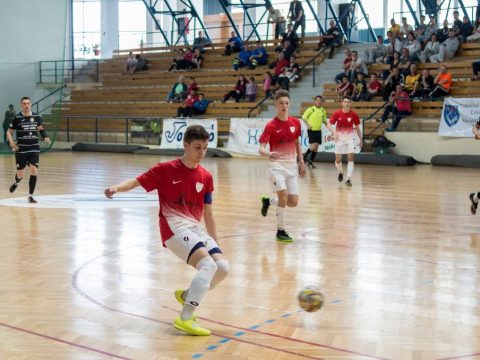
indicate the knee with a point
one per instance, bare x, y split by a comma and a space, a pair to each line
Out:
223, 268
292, 202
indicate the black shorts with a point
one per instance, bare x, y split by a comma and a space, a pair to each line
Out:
24, 159
314, 136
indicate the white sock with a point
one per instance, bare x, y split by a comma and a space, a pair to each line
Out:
475, 197
199, 286
274, 200
223, 267
350, 169
280, 218
339, 167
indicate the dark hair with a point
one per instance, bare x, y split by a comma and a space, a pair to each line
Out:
192, 78
195, 132
318, 97
25, 98
252, 78
347, 97
281, 93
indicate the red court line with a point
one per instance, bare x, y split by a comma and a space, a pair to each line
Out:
96, 302
84, 347
460, 357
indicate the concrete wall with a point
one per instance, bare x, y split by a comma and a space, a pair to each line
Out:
424, 145
32, 31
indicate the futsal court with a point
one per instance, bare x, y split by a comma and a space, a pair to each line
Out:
396, 257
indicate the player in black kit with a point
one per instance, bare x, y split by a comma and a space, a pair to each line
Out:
27, 150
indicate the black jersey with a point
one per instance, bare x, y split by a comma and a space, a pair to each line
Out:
27, 132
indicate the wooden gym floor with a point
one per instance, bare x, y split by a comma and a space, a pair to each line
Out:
396, 256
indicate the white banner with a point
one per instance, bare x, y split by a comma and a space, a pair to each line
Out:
245, 132
174, 130
458, 117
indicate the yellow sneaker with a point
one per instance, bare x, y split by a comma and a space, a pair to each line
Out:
178, 295
190, 327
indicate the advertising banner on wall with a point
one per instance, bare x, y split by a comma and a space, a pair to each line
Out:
458, 117
174, 130
245, 133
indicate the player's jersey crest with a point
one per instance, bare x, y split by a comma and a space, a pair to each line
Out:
349, 119
292, 129
451, 115
199, 186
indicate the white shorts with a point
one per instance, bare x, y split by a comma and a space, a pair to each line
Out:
347, 147
283, 178
187, 241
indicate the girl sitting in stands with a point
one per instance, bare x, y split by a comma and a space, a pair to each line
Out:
251, 90
238, 92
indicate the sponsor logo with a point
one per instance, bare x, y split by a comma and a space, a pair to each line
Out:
193, 303
278, 131
185, 238
176, 182
451, 115
199, 186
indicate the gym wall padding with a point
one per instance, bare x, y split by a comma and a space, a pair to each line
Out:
470, 161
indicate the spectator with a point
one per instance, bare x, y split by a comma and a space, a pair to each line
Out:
297, 16
131, 64
475, 69
360, 88
395, 78
346, 65
193, 86
412, 80
291, 36
186, 62
395, 28
457, 23
275, 17
443, 32
376, 54
431, 48
178, 90
399, 105
447, 49
234, 44
394, 44
243, 58
475, 33
142, 63
7, 120
466, 29
268, 87
442, 83
197, 59
432, 27
393, 64
259, 56
200, 106
420, 30
331, 39
287, 49
238, 92
251, 89
345, 88
405, 62
290, 74
187, 109
413, 45
179, 56
279, 66
405, 29
201, 42
374, 88
356, 66
424, 85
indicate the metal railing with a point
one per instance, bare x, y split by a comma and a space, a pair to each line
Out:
48, 98
63, 71
321, 52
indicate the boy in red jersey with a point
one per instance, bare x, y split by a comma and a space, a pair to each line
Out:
282, 134
185, 194
346, 121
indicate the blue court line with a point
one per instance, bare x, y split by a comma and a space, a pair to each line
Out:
254, 327
239, 333
197, 356
212, 347
336, 301
223, 341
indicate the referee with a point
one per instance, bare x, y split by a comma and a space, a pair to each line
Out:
27, 150
314, 117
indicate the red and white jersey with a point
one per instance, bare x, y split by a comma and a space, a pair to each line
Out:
281, 136
182, 193
345, 122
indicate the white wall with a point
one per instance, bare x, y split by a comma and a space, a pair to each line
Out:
32, 31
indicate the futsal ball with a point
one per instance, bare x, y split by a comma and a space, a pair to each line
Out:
310, 299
